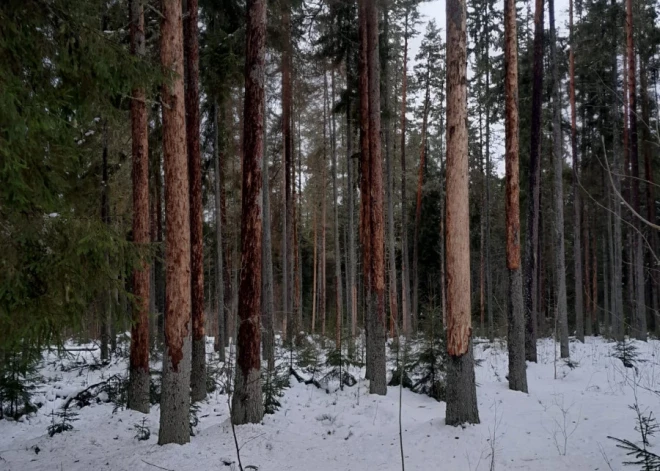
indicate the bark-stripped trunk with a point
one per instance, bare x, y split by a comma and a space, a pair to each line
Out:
461, 387
175, 397
138, 388
191, 46
392, 287
418, 205
405, 276
219, 343
639, 325
561, 309
335, 196
267, 301
531, 247
577, 207
247, 405
516, 316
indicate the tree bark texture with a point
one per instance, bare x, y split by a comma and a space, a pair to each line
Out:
247, 405
219, 268
175, 398
461, 387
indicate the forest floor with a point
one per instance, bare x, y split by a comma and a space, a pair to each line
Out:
562, 424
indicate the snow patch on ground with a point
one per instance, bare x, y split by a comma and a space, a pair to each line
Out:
562, 424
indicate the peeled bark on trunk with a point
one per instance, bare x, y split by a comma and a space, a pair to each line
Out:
247, 404
138, 388
175, 398
461, 387
639, 325
561, 310
219, 268
267, 301
516, 316
577, 207
405, 276
532, 244
335, 196
191, 45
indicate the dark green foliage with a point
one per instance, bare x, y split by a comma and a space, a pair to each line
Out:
647, 427
142, 431
17, 383
627, 352
61, 421
429, 368
273, 384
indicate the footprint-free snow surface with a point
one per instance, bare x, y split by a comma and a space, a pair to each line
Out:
562, 424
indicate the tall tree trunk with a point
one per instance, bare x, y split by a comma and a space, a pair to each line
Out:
461, 387
531, 246
267, 301
352, 292
516, 316
191, 46
587, 274
577, 206
335, 196
138, 388
561, 309
315, 240
219, 268
106, 300
247, 406
639, 325
418, 206
389, 170
322, 275
405, 276
489, 281
175, 398
617, 261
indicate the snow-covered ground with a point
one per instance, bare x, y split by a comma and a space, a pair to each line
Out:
562, 424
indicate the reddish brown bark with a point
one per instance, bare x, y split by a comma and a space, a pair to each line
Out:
405, 314
177, 204
191, 43
365, 222
249, 296
141, 220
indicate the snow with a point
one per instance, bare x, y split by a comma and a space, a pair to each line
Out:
562, 424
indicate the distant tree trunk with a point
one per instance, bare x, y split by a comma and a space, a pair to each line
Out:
639, 325
267, 301
587, 273
531, 246
191, 46
175, 398
577, 207
352, 292
594, 285
247, 405
489, 282
516, 316
106, 300
315, 239
335, 197
418, 206
617, 261
219, 268
461, 387
322, 297
394, 308
138, 389
405, 276
561, 309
